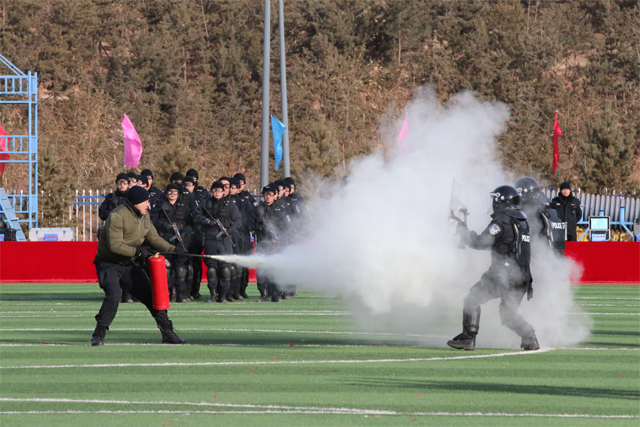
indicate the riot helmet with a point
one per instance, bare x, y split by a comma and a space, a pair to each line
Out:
505, 197
528, 188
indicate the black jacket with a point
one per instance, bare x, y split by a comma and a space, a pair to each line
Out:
507, 236
271, 224
223, 210
569, 211
110, 202
164, 214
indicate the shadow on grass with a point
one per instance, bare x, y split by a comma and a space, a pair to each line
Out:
53, 296
499, 388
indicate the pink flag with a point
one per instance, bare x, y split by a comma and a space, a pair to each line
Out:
4, 155
404, 133
132, 144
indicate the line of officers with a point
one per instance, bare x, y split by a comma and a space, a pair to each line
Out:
222, 220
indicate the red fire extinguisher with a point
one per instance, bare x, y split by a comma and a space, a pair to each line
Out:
159, 288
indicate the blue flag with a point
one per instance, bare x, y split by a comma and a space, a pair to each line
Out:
277, 128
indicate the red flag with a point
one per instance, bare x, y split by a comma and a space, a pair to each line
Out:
556, 133
4, 148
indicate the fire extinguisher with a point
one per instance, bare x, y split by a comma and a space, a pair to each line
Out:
159, 288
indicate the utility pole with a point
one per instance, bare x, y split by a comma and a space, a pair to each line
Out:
264, 153
283, 91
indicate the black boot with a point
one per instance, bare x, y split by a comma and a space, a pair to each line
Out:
222, 297
276, 295
168, 336
530, 343
264, 297
464, 341
98, 335
212, 291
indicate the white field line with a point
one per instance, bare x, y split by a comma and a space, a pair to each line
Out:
275, 409
286, 331
610, 298
275, 362
311, 346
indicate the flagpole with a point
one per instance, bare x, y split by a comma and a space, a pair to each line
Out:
283, 92
264, 153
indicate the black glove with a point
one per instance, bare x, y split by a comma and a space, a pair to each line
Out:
461, 229
180, 251
167, 227
207, 221
144, 252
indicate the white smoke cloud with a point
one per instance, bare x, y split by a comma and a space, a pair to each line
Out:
384, 244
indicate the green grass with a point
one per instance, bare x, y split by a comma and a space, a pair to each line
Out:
241, 354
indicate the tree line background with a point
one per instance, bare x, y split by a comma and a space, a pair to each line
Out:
188, 74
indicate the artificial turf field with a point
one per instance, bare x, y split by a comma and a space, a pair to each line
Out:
299, 363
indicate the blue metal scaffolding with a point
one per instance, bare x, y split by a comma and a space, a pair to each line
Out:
22, 89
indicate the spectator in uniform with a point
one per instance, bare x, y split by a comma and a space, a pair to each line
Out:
569, 211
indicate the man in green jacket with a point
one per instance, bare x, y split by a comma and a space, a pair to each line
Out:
126, 229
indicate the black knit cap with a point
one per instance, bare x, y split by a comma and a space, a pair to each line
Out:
173, 186
176, 176
122, 176
143, 179
240, 177
565, 186
193, 173
280, 183
289, 180
234, 181
223, 178
217, 184
147, 172
188, 178
132, 175
137, 195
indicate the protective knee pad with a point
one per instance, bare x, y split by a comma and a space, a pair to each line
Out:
189, 273
212, 277
225, 273
181, 273
235, 272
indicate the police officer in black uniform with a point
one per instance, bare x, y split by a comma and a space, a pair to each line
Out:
248, 211
544, 222
115, 199
154, 192
217, 241
508, 277
176, 178
110, 202
172, 218
569, 211
201, 195
269, 230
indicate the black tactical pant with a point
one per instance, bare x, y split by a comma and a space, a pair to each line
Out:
266, 285
218, 272
113, 279
508, 284
196, 248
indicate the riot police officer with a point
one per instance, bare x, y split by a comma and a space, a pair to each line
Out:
543, 220
172, 218
248, 211
218, 219
155, 193
508, 277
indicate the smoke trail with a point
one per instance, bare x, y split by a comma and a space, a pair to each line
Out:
384, 244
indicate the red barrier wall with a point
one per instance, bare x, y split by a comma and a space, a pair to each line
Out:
73, 261
53, 262
606, 261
